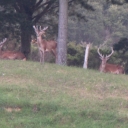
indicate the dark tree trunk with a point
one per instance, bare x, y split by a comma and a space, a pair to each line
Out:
25, 40
62, 33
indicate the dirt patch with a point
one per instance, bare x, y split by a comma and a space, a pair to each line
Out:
12, 109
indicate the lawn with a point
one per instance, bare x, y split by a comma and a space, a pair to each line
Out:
33, 95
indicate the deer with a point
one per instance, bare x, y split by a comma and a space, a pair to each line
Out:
44, 45
11, 55
106, 67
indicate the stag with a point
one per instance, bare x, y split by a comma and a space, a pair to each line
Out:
11, 55
106, 67
44, 45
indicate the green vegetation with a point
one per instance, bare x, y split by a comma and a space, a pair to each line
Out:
51, 96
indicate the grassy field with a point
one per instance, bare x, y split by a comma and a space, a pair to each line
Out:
51, 96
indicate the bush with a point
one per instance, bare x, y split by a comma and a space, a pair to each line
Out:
76, 53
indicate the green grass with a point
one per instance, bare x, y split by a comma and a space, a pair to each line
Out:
51, 96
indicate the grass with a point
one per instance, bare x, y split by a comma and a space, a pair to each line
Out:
51, 96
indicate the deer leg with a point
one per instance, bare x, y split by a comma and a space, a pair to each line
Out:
54, 53
41, 59
42, 54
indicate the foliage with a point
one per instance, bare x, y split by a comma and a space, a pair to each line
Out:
16, 12
34, 53
93, 59
122, 45
118, 2
75, 54
122, 49
108, 23
92, 31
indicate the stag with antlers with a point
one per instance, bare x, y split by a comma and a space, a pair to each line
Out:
106, 67
11, 55
44, 45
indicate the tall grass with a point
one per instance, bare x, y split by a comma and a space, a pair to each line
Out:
51, 96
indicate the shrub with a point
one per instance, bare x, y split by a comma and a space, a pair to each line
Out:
75, 54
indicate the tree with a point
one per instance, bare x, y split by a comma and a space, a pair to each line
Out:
62, 32
122, 45
108, 23
25, 13
86, 55
118, 2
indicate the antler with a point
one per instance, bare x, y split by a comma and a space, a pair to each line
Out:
107, 56
45, 28
39, 29
36, 29
4, 40
98, 50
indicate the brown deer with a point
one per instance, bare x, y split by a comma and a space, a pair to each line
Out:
106, 67
44, 45
11, 55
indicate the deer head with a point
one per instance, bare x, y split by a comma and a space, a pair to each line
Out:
104, 58
39, 31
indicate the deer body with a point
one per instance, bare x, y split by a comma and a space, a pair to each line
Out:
111, 68
44, 45
11, 55
48, 46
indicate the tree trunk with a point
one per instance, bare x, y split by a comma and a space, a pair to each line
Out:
86, 56
62, 33
25, 40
